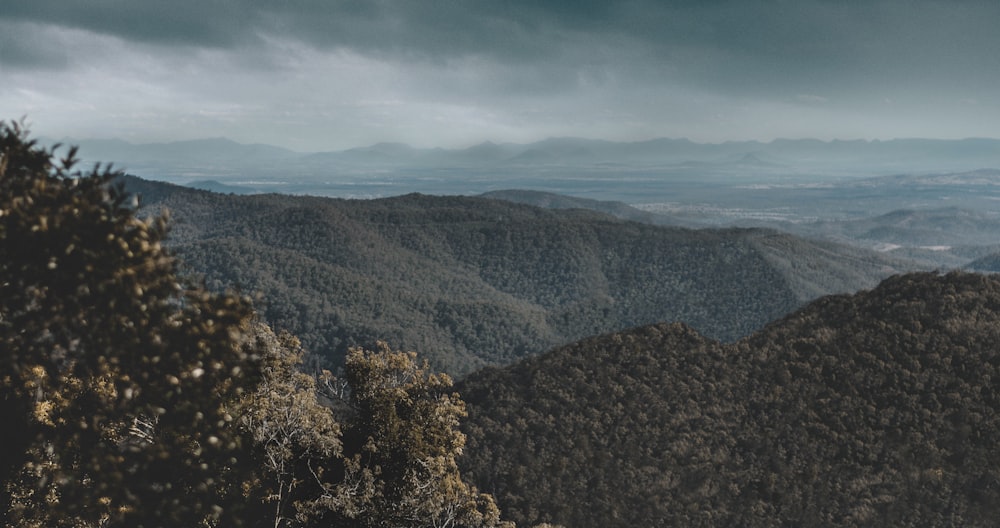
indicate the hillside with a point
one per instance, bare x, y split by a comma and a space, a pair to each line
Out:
989, 263
877, 409
470, 282
948, 237
548, 200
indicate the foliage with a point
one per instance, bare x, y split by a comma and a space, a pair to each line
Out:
292, 434
400, 448
875, 409
632, 425
113, 373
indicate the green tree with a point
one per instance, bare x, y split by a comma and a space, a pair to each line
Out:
114, 376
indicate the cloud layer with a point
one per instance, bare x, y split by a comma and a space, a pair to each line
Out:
320, 74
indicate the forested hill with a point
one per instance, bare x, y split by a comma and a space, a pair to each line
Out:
469, 282
877, 409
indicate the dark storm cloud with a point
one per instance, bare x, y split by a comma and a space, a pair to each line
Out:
23, 46
805, 42
182, 22
785, 30
744, 67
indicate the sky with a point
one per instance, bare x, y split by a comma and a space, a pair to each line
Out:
319, 75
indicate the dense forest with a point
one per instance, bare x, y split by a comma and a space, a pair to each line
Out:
875, 409
471, 281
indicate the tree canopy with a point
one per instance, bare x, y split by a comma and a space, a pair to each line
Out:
113, 371
404, 442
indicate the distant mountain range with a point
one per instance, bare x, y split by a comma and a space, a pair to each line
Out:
881, 156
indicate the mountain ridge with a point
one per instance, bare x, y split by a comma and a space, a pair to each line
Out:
473, 281
877, 408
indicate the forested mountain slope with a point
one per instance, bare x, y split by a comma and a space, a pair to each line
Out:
877, 409
988, 263
469, 282
550, 200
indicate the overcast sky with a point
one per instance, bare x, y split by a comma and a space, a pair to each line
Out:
328, 74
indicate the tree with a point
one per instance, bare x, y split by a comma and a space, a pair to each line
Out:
400, 446
292, 434
114, 376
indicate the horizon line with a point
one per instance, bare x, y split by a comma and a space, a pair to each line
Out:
69, 140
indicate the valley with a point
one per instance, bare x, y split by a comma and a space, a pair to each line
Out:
473, 281
388, 241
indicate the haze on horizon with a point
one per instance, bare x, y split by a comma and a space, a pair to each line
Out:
319, 76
